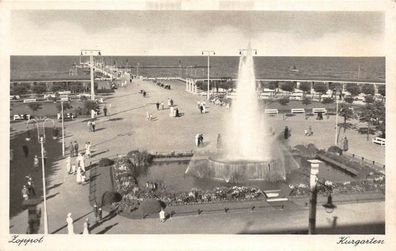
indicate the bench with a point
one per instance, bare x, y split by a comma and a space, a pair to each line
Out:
319, 110
298, 110
271, 111
29, 100
379, 141
21, 117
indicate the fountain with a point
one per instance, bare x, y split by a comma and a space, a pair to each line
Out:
251, 151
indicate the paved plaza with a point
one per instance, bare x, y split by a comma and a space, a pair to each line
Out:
128, 129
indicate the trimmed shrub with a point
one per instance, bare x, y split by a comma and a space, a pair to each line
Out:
334, 149
327, 100
150, 206
284, 101
110, 197
105, 162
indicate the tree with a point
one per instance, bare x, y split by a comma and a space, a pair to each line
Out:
90, 105
284, 101
39, 88
320, 87
66, 106
287, 86
56, 87
305, 87
368, 89
306, 101
346, 112
352, 88
273, 85
381, 89
349, 99
20, 89
374, 114
327, 101
369, 99
35, 106
76, 87
335, 86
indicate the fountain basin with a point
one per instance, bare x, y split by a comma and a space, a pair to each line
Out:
237, 171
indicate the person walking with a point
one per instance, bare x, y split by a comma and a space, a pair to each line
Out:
71, 149
25, 150
105, 110
89, 125
345, 144
200, 139
78, 176
201, 108
81, 162
36, 162
197, 140
68, 165
69, 221
25, 193
86, 226
30, 187
95, 211
100, 214
162, 215
157, 105
171, 102
88, 149
75, 148
93, 126
286, 133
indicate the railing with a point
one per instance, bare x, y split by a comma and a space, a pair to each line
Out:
364, 160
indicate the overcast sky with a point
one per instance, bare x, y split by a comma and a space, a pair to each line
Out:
65, 32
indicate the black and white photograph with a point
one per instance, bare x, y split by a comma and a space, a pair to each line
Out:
173, 120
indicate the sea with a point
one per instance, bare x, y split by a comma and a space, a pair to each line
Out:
369, 69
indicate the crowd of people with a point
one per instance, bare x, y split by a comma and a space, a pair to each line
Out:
77, 166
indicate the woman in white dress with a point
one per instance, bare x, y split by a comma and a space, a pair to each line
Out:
88, 149
68, 164
86, 226
69, 221
79, 177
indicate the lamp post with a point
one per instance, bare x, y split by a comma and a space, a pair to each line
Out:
336, 122
63, 131
313, 179
41, 140
91, 54
208, 53
44, 188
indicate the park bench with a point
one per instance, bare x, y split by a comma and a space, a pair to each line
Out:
21, 117
319, 110
271, 111
272, 193
379, 141
298, 110
29, 100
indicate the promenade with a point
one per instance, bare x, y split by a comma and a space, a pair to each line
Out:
128, 129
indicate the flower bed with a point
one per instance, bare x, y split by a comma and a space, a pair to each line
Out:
126, 170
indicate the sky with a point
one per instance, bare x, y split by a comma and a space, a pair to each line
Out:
272, 33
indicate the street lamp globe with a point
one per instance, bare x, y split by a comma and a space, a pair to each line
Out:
329, 206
